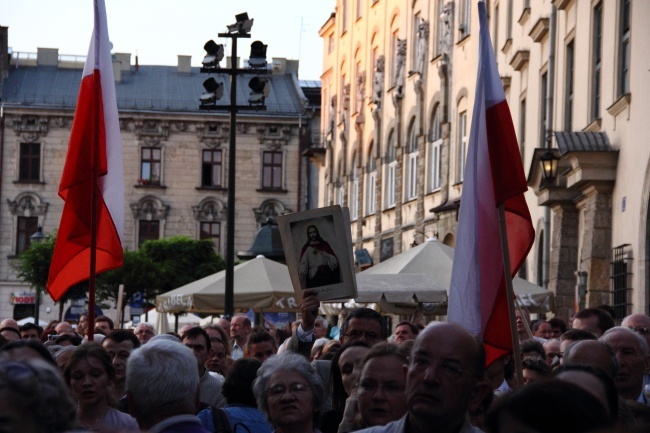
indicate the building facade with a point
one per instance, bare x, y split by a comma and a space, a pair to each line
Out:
175, 156
398, 88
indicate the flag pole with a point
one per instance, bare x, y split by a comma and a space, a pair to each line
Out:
516, 351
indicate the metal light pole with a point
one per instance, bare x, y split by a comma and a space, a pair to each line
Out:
235, 31
37, 237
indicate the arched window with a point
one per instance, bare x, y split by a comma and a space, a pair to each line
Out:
371, 178
391, 168
354, 190
412, 154
434, 151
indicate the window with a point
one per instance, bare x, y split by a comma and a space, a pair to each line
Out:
414, 44
148, 231
391, 168
344, 16
150, 166
596, 61
358, 103
211, 168
30, 162
462, 145
439, 28
330, 43
542, 109
412, 165
509, 18
338, 198
354, 191
27, 226
522, 129
435, 146
272, 170
212, 231
624, 49
464, 17
371, 183
568, 90
621, 279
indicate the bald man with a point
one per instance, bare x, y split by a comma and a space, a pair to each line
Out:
639, 323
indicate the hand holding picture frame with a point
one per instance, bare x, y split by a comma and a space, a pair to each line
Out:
318, 249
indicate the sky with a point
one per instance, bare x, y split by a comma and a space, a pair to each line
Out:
159, 30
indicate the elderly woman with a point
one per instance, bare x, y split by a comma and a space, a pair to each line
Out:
290, 392
89, 373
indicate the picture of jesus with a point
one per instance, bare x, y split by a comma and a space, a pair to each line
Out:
318, 265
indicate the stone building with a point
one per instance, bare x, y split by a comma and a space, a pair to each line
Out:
175, 156
398, 88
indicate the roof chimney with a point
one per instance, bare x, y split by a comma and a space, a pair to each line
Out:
4, 54
117, 71
184, 64
47, 56
125, 60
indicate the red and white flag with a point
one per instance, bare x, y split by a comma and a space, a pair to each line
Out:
494, 175
95, 144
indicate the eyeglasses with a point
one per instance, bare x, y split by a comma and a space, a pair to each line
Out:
144, 332
358, 335
294, 388
640, 329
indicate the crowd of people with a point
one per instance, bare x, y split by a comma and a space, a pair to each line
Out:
229, 376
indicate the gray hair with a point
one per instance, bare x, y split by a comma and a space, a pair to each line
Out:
322, 320
36, 388
288, 361
643, 343
149, 325
162, 372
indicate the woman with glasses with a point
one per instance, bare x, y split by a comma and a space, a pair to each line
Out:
89, 374
290, 392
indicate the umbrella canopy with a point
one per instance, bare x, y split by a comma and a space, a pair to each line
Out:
30, 319
399, 293
259, 284
435, 259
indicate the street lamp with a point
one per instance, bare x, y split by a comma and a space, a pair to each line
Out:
260, 88
37, 238
549, 165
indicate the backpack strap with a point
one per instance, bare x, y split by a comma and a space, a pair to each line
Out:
220, 420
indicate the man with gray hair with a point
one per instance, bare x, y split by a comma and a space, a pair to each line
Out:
145, 331
162, 384
632, 352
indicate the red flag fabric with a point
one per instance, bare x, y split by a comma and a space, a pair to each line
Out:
494, 175
95, 144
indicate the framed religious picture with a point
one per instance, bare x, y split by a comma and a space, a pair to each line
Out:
318, 249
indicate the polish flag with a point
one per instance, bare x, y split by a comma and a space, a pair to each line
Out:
494, 175
95, 144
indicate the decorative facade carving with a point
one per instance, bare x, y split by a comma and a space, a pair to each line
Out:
273, 136
31, 128
378, 82
270, 209
213, 134
210, 209
400, 64
150, 208
27, 204
151, 131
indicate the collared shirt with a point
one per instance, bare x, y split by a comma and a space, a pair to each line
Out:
401, 426
237, 351
189, 419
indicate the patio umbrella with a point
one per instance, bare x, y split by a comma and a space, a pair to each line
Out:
259, 284
436, 259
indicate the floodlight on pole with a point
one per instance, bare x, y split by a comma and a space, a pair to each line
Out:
213, 92
243, 24
260, 89
257, 58
214, 54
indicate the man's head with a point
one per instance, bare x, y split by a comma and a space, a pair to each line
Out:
405, 331
593, 320
592, 353
64, 328
532, 349
218, 335
639, 323
542, 329
10, 333
162, 381
197, 339
30, 330
145, 332
240, 328
552, 350
632, 352
82, 325
558, 327
363, 324
9, 323
521, 321
224, 322
445, 377
320, 327
261, 346
119, 345
573, 335
104, 324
